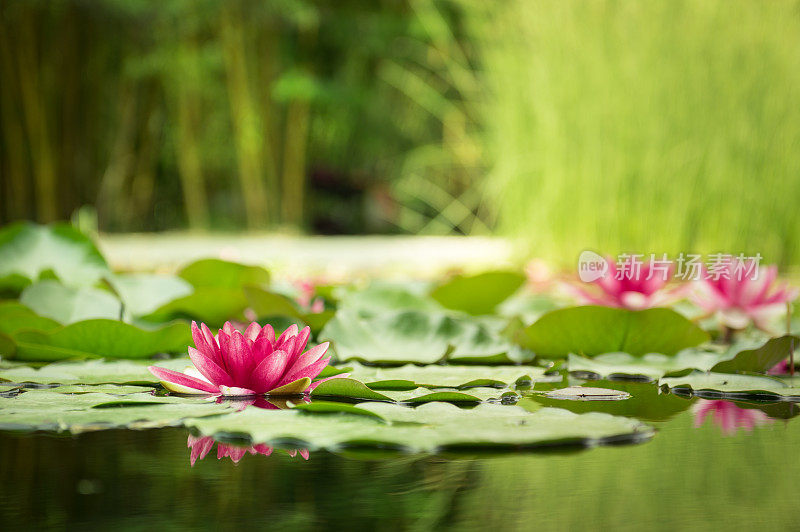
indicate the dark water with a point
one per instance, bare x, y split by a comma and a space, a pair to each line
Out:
686, 478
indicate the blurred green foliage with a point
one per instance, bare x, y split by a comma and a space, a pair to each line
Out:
666, 126
222, 115
653, 127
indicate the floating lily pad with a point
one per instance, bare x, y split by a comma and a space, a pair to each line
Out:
651, 366
29, 252
15, 317
647, 402
218, 273
91, 372
69, 304
380, 297
428, 428
210, 305
82, 412
732, 385
111, 389
143, 294
100, 339
581, 393
451, 376
410, 336
478, 294
267, 304
353, 390
594, 330
761, 358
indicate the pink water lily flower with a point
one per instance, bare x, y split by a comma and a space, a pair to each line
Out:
201, 446
727, 416
232, 363
739, 299
635, 290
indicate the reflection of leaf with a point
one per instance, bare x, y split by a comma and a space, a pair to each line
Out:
652, 365
429, 427
478, 294
67, 304
761, 358
594, 330
218, 273
411, 336
27, 251
81, 412
100, 338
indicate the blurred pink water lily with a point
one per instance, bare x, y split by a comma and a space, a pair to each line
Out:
232, 363
306, 298
201, 446
635, 290
727, 416
737, 299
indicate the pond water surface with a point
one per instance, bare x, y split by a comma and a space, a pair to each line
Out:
715, 476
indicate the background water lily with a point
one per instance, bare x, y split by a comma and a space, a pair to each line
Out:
739, 299
727, 416
251, 363
639, 289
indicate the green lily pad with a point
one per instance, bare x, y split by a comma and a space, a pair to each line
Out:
380, 297
145, 293
82, 412
647, 402
217, 273
594, 330
7, 346
411, 336
478, 294
15, 317
29, 251
210, 305
353, 390
428, 428
348, 388
582, 393
267, 304
451, 376
69, 304
734, 385
91, 372
761, 358
111, 389
651, 366
100, 339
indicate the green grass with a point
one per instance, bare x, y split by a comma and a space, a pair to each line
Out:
659, 126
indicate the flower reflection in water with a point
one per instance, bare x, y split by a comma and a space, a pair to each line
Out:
201, 445
727, 416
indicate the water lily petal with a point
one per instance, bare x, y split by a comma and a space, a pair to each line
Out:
309, 371
200, 447
269, 371
168, 376
252, 331
310, 356
205, 342
290, 331
267, 332
208, 368
238, 356
234, 391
